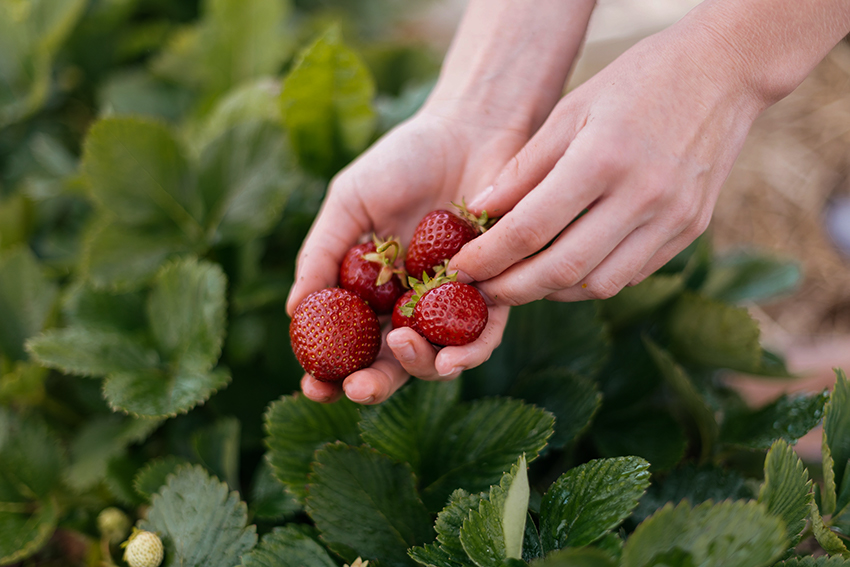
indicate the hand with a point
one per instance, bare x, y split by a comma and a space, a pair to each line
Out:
434, 159
644, 147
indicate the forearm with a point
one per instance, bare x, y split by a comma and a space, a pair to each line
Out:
510, 58
768, 46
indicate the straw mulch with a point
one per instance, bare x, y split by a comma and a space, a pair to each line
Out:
796, 158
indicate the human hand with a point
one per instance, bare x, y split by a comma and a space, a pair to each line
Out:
425, 164
644, 146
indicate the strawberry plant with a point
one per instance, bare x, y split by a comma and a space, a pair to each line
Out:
160, 165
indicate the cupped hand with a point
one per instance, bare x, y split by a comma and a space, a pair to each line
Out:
425, 164
642, 149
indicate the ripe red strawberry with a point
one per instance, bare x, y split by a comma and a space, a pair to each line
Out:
399, 318
368, 270
438, 237
446, 312
334, 333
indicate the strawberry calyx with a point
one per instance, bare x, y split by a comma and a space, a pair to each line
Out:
386, 253
481, 223
421, 287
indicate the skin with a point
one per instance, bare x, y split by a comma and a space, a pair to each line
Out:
645, 146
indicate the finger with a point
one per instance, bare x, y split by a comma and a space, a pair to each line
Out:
451, 361
619, 268
528, 167
669, 250
577, 251
377, 383
414, 353
538, 218
318, 391
335, 230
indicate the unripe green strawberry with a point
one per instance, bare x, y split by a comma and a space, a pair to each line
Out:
143, 549
113, 524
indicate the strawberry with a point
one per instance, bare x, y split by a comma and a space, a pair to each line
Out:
368, 270
334, 333
438, 237
399, 318
446, 312
113, 524
143, 549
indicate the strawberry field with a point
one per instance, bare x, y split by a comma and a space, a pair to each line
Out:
160, 165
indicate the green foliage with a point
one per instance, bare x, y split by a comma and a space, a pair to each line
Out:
199, 521
585, 557
364, 501
26, 300
326, 102
787, 418
815, 562
494, 532
787, 490
288, 547
651, 434
590, 500
836, 443
750, 276
828, 539
727, 534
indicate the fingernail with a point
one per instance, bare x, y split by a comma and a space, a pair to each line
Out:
403, 350
463, 277
455, 370
360, 394
481, 198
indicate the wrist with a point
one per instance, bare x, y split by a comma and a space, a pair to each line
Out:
508, 63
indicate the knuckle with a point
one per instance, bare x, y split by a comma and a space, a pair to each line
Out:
603, 288
565, 274
526, 237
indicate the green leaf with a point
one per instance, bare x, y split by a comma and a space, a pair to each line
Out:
788, 418
749, 276
815, 562
572, 399
257, 100
692, 402
326, 103
186, 311
137, 171
448, 550
24, 533
269, 498
408, 427
200, 523
787, 490
576, 558
91, 352
156, 393
31, 32
836, 426
695, 484
728, 534
296, 427
495, 531
136, 92
633, 303
590, 500
245, 177
105, 311
487, 438
31, 457
217, 448
151, 477
653, 435
100, 440
234, 41
714, 334
827, 538
121, 257
32, 464
26, 301
363, 500
540, 335
288, 547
